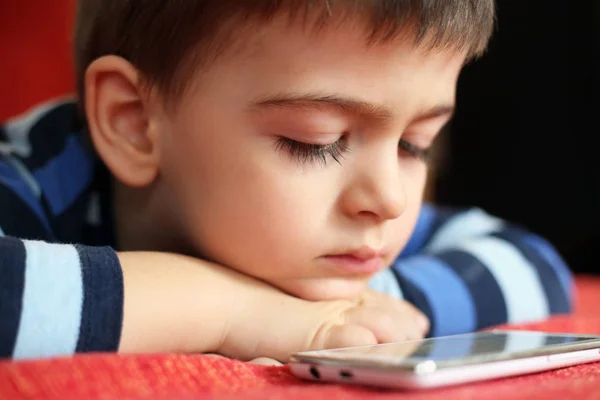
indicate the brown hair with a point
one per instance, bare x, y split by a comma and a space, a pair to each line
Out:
166, 40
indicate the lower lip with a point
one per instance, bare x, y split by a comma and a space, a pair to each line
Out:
355, 265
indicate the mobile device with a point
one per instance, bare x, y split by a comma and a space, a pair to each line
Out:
449, 360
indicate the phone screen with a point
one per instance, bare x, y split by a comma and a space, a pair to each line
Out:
463, 346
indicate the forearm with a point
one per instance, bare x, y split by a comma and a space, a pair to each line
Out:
472, 271
486, 281
66, 299
62, 299
176, 303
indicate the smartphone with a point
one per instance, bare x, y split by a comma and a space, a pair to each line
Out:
450, 360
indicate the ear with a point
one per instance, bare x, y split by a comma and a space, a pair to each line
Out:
120, 120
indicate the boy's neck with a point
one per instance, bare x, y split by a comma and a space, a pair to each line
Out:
140, 225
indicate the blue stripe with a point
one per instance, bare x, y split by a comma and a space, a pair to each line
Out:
27, 225
14, 182
422, 231
449, 298
102, 313
12, 281
554, 260
64, 178
488, 299
486, 294
52, 301
524, 297
556, 294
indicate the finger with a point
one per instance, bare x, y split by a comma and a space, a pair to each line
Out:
404, 307
266, 361
388, 325
372, 298
419, 317
416, 325
349, 335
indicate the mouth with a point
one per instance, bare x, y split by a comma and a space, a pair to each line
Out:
362, 261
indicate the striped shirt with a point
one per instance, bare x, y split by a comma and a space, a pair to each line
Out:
61, 285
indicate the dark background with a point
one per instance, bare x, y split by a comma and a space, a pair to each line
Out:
523, 144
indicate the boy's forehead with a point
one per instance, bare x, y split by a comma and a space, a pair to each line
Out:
249, 35
282, 34
292, 65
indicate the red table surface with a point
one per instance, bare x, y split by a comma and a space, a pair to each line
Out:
181, 377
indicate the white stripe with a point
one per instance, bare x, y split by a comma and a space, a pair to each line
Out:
386, 282
523, 341
18, 128
24, 173
1, 232
52, 301
465, 225
522, 290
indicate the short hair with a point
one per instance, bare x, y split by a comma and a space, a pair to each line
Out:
167, 40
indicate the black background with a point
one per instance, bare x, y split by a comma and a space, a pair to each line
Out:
524, 142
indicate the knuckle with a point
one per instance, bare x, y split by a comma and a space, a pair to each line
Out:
408, 307
353, 335
384, 320
386, 325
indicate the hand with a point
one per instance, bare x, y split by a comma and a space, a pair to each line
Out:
414, 324
376, 318
278, 325
175, 303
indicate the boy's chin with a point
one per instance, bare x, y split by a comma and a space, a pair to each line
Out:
325, 288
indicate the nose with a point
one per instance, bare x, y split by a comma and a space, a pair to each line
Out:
378, 189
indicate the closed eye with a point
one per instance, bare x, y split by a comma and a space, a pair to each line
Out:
308, 153
420, 153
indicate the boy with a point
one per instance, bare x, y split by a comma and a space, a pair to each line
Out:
258, 165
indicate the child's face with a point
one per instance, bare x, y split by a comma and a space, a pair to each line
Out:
249, 197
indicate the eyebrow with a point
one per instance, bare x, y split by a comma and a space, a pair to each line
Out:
364, 109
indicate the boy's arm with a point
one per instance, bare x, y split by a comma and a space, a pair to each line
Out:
56, 300
467, 270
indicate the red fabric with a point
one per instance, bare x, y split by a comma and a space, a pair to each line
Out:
35, 43
179, 377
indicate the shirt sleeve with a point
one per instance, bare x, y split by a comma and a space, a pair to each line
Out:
58, 299
467, 270
55, 299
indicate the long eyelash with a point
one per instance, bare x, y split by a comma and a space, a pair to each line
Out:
309, 153
415, 151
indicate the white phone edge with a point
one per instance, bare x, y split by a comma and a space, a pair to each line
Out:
398, 379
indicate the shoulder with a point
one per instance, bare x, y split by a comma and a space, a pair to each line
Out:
42, 133
45, 163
